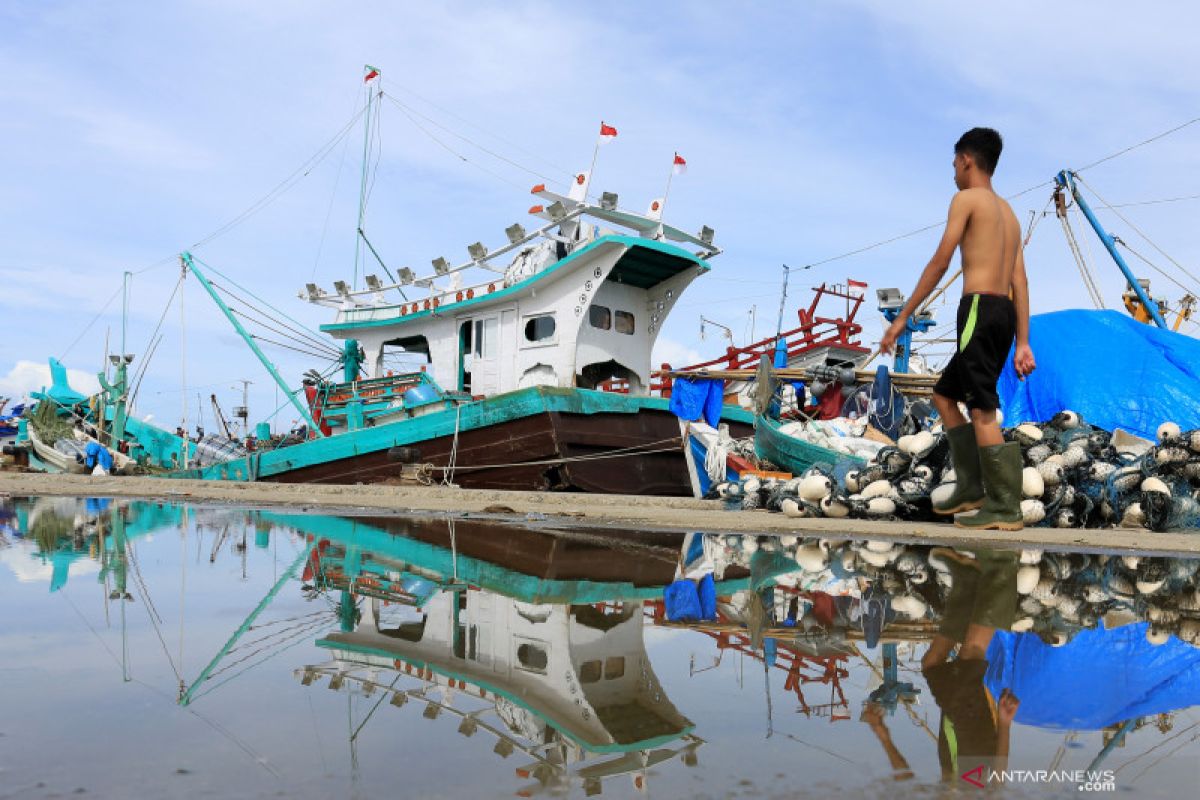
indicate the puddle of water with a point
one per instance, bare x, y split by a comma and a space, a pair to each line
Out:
167, 650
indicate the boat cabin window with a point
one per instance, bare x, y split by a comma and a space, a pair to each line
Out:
532, 657
540, 328
589, 671
600, 317
624, 323
614, 667
485, 337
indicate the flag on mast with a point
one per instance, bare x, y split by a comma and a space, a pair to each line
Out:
372, 73
607, 133
679, 166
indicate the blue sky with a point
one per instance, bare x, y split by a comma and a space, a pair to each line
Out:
134, 130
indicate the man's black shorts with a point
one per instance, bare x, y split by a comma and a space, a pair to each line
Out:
987, 324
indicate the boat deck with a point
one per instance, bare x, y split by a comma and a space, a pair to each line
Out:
637, 513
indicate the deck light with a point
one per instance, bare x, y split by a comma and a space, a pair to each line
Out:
431, 711
342, 289
129, 358
504, 748
477, 251
557, 211
608, 201
399, 698
406, 275
707, 234
515, 232
441, 266
468, 726
314, 292
373, 283
337, 680
115, 360
890, 299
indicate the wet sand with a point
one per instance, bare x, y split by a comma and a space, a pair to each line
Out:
616, 511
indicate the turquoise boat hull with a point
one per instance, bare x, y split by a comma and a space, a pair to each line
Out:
540, 438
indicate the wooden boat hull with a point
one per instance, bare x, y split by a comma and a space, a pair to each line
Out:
533, 439
789, 453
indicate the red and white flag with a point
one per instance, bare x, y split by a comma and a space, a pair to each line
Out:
856, 288
607, 133
372, 74
679, 166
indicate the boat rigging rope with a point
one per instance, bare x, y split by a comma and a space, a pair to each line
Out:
448, 471
1138, 230
1089, 282
1155, 267
88, 327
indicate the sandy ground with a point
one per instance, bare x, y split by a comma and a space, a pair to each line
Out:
616, 511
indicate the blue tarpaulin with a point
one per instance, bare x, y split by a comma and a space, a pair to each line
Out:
1099, 678
1112, 370
691, 399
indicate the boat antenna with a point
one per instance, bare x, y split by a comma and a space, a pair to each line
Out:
371, 78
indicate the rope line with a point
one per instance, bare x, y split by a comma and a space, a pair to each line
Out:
88, 327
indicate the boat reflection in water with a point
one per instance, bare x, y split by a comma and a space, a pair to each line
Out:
578, 658
550, 664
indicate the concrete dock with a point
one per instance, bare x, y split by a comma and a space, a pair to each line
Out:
615, 511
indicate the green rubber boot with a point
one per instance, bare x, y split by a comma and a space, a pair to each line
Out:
968, 486
1001, 510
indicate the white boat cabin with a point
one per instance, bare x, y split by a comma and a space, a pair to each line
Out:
581, 301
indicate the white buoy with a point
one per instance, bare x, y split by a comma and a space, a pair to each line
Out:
1133, 517
1033, 511
1028, 433
1153, 484
941, 494
905, 443
810, 558
834, 507
1051, 472
881, 507
851, 481
874, 558
1027, 579
815, 487
879, 546
1022, 625
879, 488
1032, 484
790, 507
1031, 556
1168, 432
1157, 636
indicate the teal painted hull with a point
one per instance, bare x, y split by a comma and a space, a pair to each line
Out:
531, 439
789, 453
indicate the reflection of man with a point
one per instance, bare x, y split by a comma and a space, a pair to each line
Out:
973, 734
974, 729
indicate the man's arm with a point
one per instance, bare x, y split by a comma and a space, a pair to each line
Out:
1023, 361
956, 224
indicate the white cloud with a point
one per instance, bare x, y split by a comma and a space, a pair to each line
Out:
30, 376
677, 354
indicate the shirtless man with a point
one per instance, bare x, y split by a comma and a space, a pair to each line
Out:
994, 308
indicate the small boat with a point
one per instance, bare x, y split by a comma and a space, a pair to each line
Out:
791, 453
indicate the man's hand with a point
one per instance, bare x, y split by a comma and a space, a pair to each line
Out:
1023, 361
888, 343
1006, 709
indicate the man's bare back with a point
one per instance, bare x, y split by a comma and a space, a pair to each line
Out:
991, 241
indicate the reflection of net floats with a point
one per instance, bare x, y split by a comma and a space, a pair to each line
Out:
895, 633
546, 766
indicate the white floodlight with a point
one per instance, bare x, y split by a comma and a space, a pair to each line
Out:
707, 234
608, 201
557, 211
315, 292
406, 275
890, 299
477, 251
515, 232
373, 283
342, 289
441, 266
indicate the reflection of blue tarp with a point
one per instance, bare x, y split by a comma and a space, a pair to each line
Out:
1101, 677
692, 398
1114, 371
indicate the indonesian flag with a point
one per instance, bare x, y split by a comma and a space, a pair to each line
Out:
679, 166
857, 288
607, 133
372, 74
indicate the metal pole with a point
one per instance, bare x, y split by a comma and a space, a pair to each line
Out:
186, 697
266, 362
1066, 179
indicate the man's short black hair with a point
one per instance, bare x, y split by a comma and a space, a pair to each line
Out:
984, 145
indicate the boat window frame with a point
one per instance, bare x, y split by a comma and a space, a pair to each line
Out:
618, 315
609, 321
528, 319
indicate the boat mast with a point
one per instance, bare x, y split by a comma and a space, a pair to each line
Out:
305, 414
1066, 180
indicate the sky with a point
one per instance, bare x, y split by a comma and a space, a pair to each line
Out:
136, 130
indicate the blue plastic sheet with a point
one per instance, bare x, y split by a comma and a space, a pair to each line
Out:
1099, 678
1112, 370
692, 398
